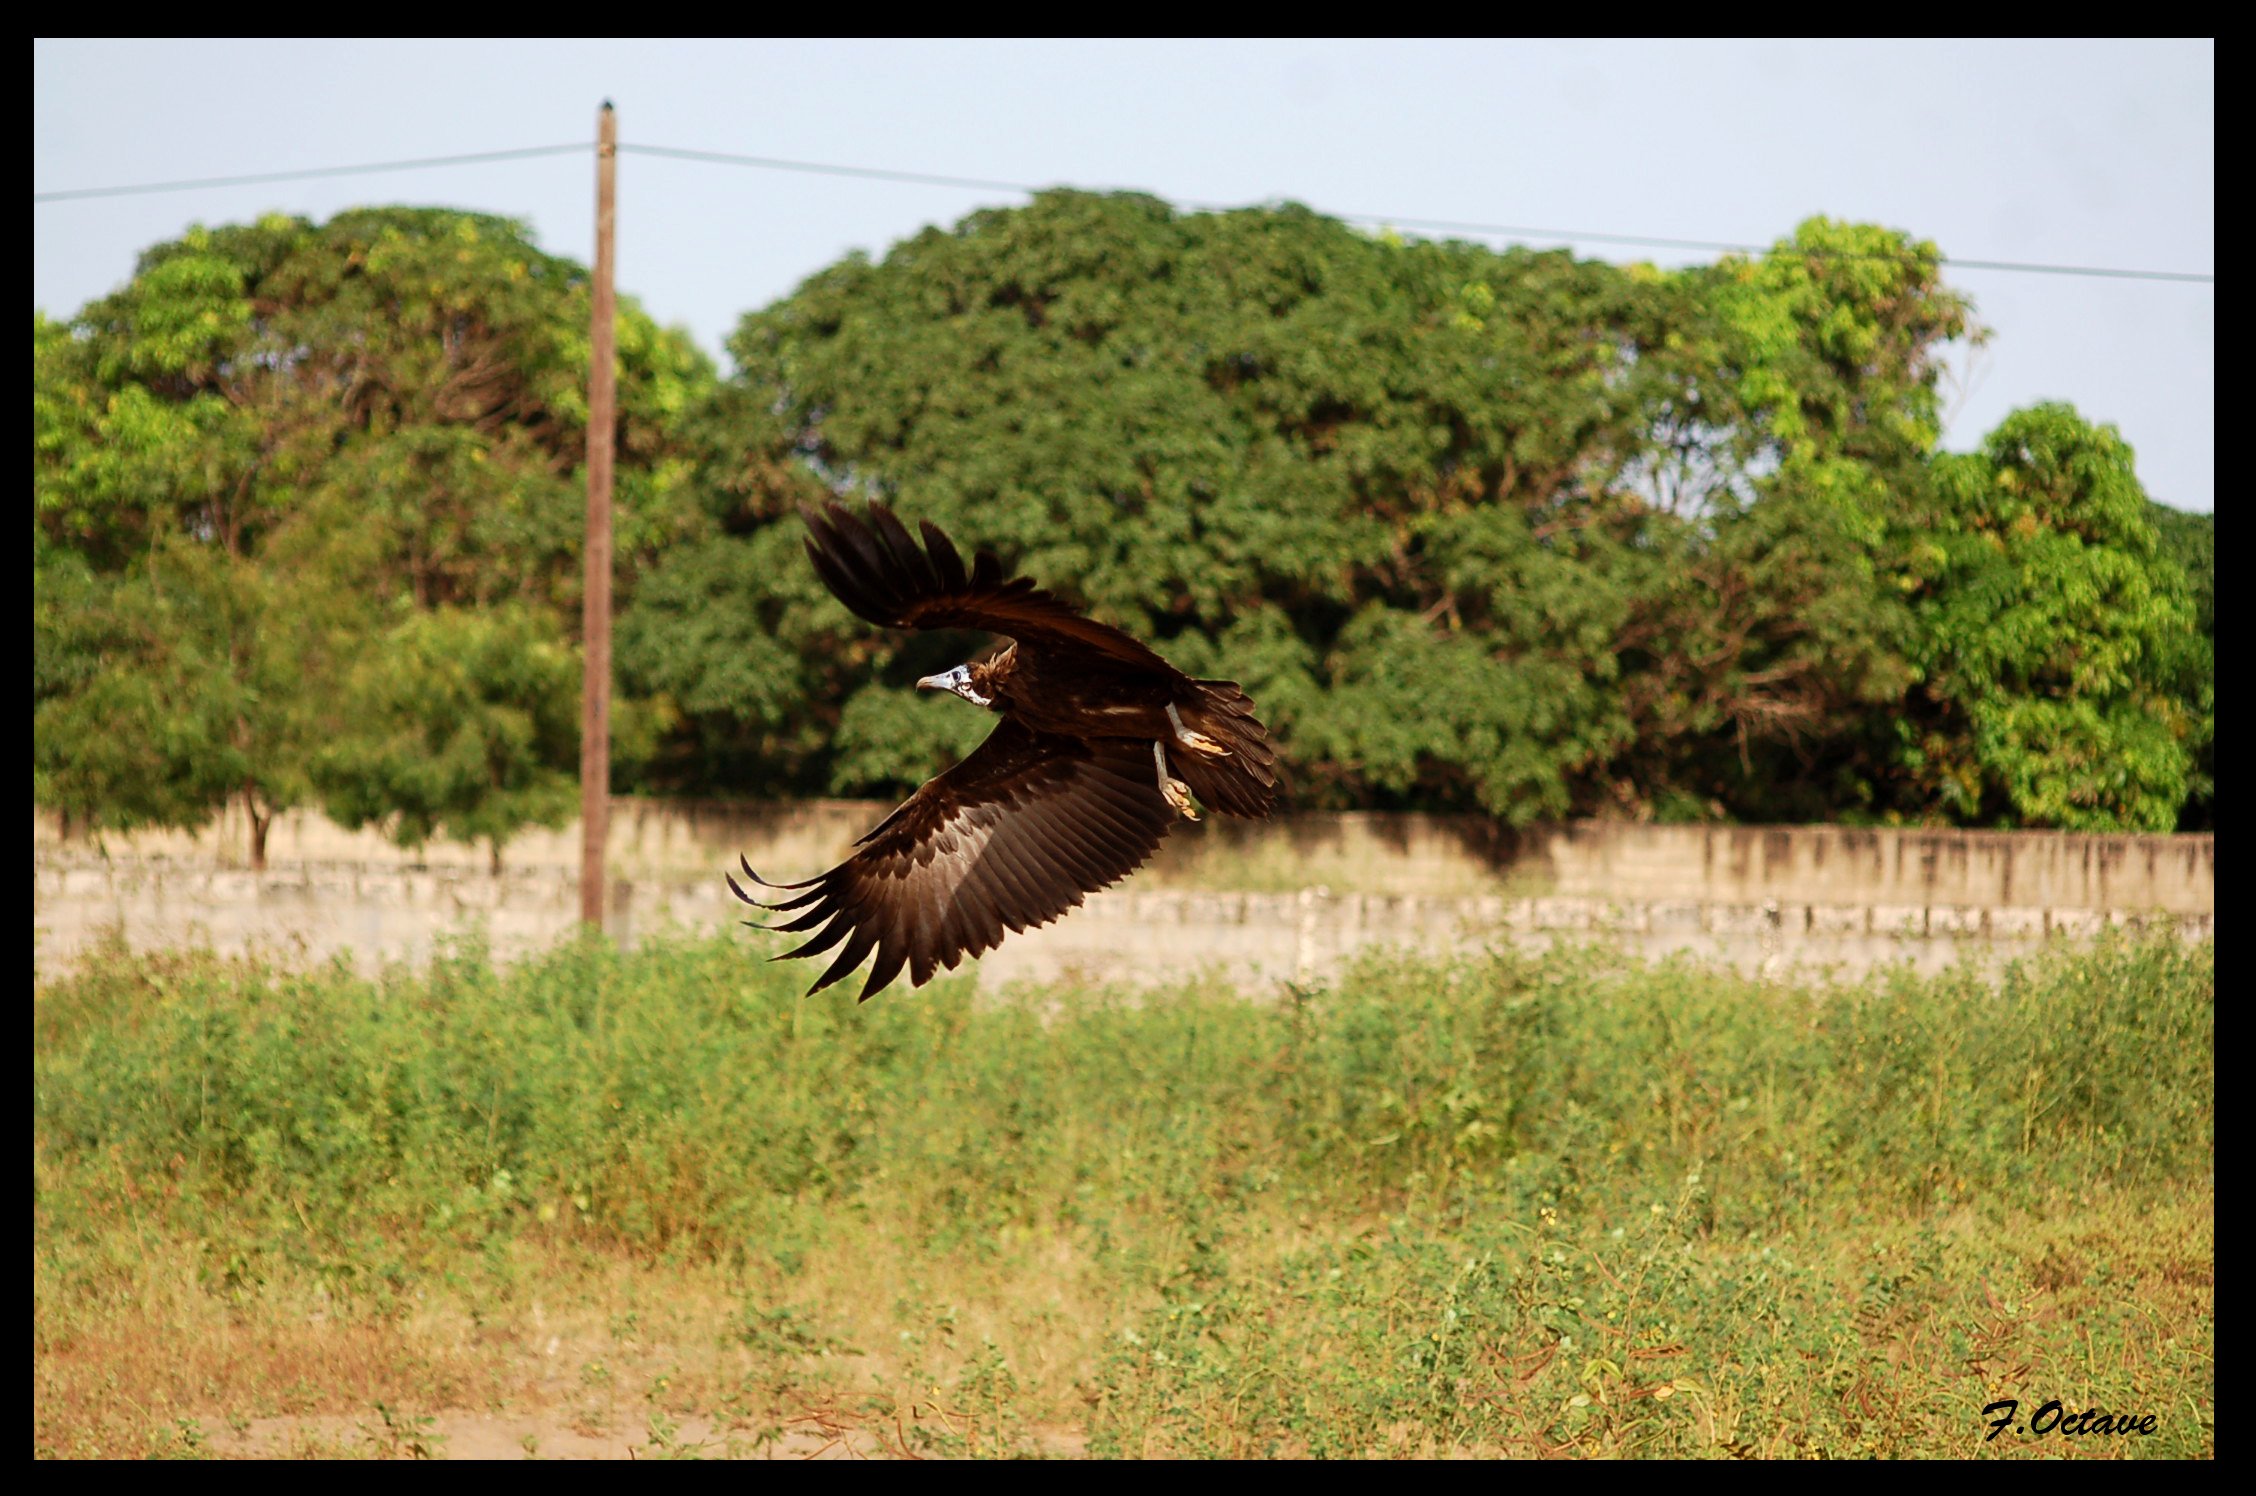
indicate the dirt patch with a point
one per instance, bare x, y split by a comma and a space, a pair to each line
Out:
464, 1435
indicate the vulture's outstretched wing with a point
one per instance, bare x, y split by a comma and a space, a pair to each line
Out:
1008, 839
879, 572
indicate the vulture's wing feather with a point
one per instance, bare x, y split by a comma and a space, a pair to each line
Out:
880, 572
1008, 839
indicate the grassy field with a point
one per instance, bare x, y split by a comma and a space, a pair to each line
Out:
1566, 1204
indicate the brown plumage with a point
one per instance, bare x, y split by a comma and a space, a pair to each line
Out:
1070, 793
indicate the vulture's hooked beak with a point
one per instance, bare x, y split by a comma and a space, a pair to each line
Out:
957, 680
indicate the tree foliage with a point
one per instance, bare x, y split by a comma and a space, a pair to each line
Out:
274, 438
1480, 530
2190, 541
169, 690
2065, 682
474, 729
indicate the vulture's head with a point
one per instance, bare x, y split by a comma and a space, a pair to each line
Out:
975, 682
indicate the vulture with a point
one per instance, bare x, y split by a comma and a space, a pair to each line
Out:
1100, 746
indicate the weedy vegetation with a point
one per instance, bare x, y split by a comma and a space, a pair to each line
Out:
1528, 1205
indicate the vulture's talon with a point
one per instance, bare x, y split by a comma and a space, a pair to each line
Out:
1171, 789
1178, 794
1197, 742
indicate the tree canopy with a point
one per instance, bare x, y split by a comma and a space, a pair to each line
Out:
286, 459
2065, 682
1498, 531
1503, 531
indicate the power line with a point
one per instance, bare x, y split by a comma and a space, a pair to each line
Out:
1509, 231
578, 146
819, 168
1442, 225
991, 184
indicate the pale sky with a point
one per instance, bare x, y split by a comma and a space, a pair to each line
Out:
2080, 153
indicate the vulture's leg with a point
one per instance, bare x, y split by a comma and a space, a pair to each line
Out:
1197, 742
1171, 789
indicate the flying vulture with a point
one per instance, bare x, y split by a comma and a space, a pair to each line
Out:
1070, 793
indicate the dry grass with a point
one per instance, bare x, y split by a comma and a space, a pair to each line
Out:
609, 1206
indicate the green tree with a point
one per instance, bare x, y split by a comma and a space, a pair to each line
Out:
163, 692
2191, 541
1798, 454
1480, 529
729, 632
386, 410
1833, 345
472, 730
2056, 638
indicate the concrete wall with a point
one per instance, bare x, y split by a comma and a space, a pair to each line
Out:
1356, 852
1321, 887
1840, 865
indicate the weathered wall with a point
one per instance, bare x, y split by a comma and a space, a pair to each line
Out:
1321, 888
1346, 852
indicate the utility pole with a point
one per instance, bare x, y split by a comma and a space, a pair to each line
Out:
603, 397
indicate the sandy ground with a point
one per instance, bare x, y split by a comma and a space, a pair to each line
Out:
463, 1435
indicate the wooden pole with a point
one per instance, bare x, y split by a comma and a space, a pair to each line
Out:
603, 395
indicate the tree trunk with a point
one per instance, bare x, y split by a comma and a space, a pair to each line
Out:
493, 866
259, 823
